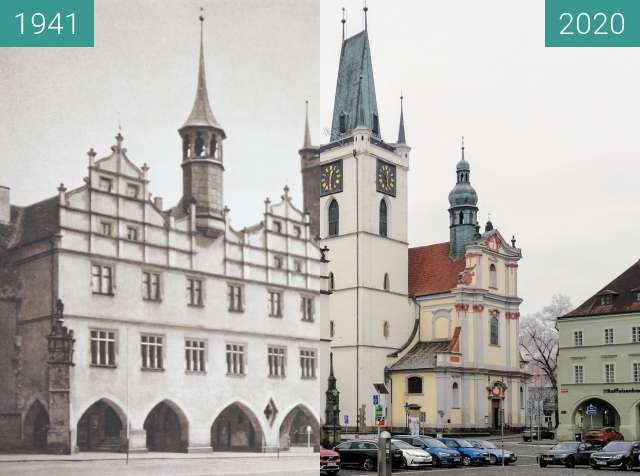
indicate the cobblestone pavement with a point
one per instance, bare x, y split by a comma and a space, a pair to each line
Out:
267, 466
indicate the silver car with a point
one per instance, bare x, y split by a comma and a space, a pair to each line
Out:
495, 453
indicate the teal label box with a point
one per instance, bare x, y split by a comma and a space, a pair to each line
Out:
600, 23
42, 23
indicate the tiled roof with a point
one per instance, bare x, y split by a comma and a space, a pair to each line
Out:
422, 355
431, 271
34, 223
623, 290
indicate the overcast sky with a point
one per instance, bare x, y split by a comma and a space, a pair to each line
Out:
551, 134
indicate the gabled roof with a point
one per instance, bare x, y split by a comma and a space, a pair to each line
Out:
422, 355
431, 271
32, 223
355, 88
623, 290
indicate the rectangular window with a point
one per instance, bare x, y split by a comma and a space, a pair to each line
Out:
194, 351
275, 304
103, 348
105, 184
277, 227
297, 265
277, 262
235, 359
150, 286
306, 305
276, 357
298, 232
234, 293
132, 190
577, 338
635, 334
132, 233
106, 228
578, 374
308, 363
610, 373
636, 372
194, 292
102, 279
608, 336
151, 350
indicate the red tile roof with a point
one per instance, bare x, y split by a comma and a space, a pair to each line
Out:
431, 271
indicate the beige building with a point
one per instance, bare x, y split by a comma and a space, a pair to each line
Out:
189, 335
599, 365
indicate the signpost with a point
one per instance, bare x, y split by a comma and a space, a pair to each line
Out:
591, 410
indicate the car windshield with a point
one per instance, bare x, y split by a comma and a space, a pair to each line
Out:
617, 446
402, 444
464, 444
485, 444
565, 446
434, 443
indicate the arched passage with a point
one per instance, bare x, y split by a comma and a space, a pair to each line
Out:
102, 427
293, 430
236, 428
605, 414
36, 425
167, 428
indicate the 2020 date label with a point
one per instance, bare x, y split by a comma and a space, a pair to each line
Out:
592, 23
44, 23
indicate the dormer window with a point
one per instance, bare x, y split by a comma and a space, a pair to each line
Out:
376, 125
636, 295
343, 123
606, 299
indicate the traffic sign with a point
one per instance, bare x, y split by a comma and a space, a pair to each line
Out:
591, 410
379, 410
380, 421
346, 419
376, 399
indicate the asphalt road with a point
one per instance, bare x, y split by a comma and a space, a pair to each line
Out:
299, 466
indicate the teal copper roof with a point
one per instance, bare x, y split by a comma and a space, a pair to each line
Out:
355, 90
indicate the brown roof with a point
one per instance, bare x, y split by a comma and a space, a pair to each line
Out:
431, 271
422, 355
623, 290
33, 223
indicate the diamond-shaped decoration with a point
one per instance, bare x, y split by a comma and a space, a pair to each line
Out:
271, 411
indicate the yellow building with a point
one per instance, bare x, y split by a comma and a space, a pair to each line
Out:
462, 363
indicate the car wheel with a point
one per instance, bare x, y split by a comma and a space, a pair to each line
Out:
493, 459
569, 462
403, 463
595, 467
437, 462
466, 461
367, 464
627, 466
333, 473
543, 464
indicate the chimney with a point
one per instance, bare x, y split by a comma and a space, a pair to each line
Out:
5, 205
157, 201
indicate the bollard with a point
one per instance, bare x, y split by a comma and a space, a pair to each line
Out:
384, 454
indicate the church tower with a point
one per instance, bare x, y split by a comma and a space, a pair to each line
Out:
202, 158
310, 169
463, 212
363, 222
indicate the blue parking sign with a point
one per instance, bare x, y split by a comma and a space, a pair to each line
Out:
346, 419
376, 399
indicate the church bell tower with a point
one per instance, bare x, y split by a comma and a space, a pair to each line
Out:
463, 211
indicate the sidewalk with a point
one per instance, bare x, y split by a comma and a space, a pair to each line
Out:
98, 456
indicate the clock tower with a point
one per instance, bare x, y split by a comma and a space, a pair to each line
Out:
363, 222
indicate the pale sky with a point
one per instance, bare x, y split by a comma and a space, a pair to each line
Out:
550, 133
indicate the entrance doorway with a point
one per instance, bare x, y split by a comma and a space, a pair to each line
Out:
101, 428
166, 428
495, 413
293, 431
36, 426
236, 429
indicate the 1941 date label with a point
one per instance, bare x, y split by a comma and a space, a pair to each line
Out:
599, 23
42, 23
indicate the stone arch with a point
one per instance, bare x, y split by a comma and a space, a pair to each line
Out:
236, 428
102, 427
167, 428
607, 414
293, 429
36, 426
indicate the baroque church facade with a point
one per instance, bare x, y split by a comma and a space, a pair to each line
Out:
126, 325
423, 329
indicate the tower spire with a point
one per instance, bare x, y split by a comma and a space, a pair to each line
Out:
343, 21
401, 135
307, 134
462, 147
365, 9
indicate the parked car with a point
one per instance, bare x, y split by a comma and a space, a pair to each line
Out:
364, 453
495, 453
470, 455
567, 453
602, 436
624, 455
441, 454
329, 462
412, 457
530, 434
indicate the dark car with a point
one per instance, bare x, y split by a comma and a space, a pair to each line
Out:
530, 434
624, 455
470, 455
364, 453
329, 462
441, 454
602, 436
567, 453
496, 455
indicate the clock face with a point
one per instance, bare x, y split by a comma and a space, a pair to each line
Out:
331, 178
386, 178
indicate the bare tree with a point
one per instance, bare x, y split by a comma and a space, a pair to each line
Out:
539, 338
